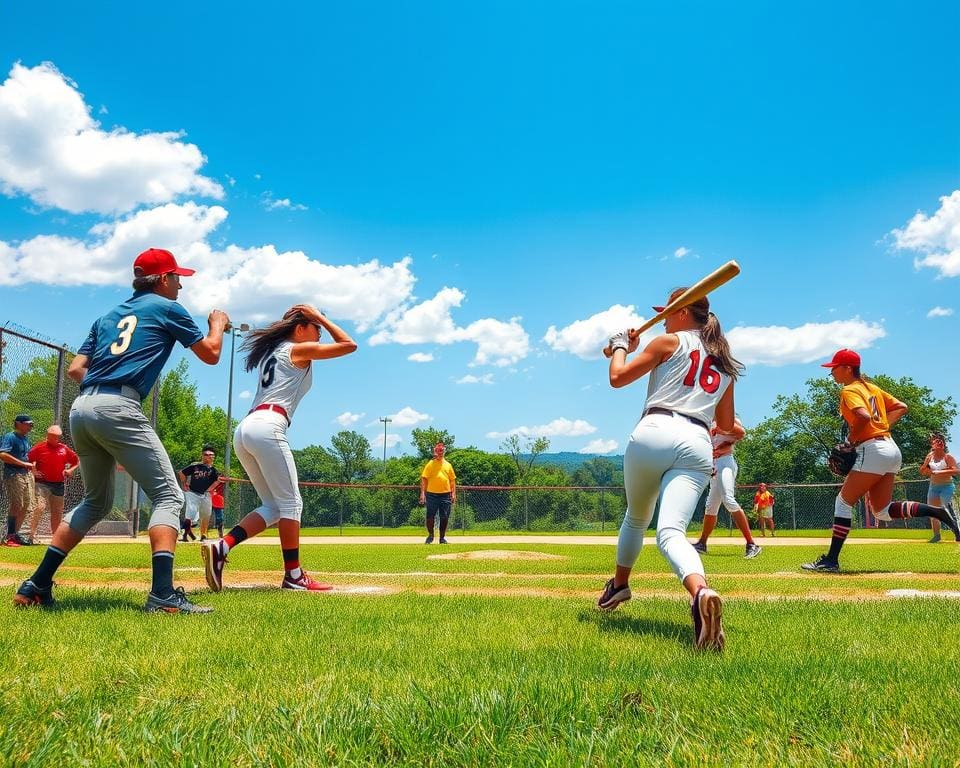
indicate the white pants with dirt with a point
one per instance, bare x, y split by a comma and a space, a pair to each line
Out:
198, 507
667, 458
260, 443
723, 486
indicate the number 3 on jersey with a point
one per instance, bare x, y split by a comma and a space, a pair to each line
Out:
126, 325
269, 371
709, 375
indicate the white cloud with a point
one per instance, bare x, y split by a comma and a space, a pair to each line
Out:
587, 338
557, 428
392, 440
347, 419
283, 204
53, 151
245, 395
420, 357
498, 343
940, 312
681, 252
600, 446
255, 284
487, 378
407, 417
778, 345
936, 237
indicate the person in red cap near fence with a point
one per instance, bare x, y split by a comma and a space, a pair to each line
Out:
283, 355
55, 464
869, 413
116, 367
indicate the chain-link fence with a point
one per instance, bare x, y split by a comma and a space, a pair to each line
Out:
34, 381
545, 509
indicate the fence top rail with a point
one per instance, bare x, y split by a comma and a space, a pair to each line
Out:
391, 487
35, 340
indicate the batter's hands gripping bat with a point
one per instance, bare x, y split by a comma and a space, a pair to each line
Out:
694, 293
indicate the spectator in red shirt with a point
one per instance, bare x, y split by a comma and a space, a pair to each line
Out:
55, 464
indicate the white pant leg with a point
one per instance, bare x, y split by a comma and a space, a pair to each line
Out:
206, 508
192, 506
727, 471
261, 439
681, 490
715, 497
658, 445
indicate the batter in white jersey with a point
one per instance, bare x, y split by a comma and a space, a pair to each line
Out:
669, 455
283, 355
723, 485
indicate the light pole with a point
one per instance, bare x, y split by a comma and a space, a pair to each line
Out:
383, 515
233, 331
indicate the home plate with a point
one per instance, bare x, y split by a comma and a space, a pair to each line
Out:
922, 593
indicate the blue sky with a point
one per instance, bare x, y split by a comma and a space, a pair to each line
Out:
494, 189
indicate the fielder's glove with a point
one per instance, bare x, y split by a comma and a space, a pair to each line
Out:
620, 341
842, 458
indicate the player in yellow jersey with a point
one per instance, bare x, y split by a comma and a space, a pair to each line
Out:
870, 413
438, 491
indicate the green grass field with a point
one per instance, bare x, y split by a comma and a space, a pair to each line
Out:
493, 662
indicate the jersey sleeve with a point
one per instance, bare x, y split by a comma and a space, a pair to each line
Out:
451, 472
6, 444
90, 343
852, 399
188, 470
889, 401
72, 457
181, 326
424, 474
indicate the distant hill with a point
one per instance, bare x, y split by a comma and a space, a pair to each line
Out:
569, 461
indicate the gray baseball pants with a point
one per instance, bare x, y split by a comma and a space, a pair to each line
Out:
111, 429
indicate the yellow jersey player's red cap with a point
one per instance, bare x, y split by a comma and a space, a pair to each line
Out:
157, 261
843, 357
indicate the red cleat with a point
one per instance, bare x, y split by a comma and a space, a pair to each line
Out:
304, 583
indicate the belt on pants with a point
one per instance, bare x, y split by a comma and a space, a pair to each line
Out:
869, 439
111, 389
668, 412
271, 407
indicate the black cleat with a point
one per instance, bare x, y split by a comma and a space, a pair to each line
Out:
177, 602
753, 550
700, 547
822, 565
612, 596
30, 594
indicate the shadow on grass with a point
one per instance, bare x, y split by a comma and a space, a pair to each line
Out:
624, 623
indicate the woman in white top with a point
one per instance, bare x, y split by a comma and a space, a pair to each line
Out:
941, 468
283, 354
669, 455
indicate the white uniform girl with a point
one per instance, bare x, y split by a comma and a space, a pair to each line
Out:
283, 354
669, 454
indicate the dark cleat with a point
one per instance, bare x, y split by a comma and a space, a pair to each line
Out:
822, 565
177, 602
612, 596
30, 594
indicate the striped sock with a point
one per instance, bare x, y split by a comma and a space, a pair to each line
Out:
236, 536
841, 528
291, 562
52, 558
162, 574
904, 510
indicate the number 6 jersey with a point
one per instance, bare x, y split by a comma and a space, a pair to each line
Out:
281, 382
688, 381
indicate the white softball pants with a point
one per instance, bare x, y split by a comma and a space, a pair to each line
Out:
260, 443
670, 459
723, 486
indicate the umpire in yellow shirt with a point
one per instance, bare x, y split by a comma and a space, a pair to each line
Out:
438, 490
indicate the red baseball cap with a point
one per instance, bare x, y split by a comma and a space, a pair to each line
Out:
156, 261
843, 357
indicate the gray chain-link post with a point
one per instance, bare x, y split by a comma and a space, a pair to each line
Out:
793, 508
58, 395
463, 515
603, 509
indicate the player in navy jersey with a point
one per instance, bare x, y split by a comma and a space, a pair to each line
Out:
116, 367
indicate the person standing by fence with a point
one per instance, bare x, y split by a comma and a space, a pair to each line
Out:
669, 456
217, 503
870, 413
438, 492
116, 367
197, 479
941, 468
55, 464
763, 501
18, 481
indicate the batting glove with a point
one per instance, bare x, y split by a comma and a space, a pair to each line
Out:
620, 341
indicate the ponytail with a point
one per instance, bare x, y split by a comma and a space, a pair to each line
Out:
716, 344
262, 341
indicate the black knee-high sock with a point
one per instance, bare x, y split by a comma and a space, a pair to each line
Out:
904, 510
162, 574
841, 528
236, 536
430, 524
52, 558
